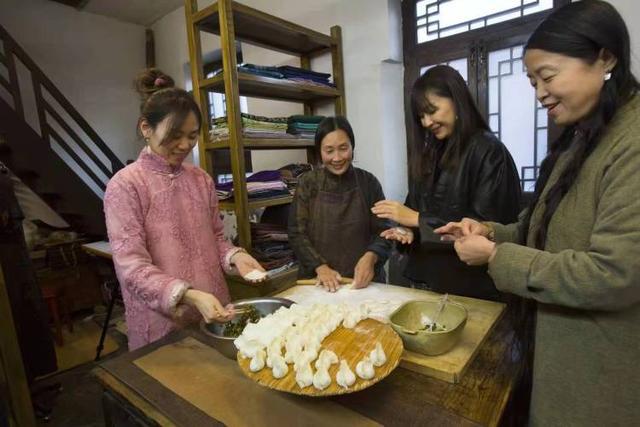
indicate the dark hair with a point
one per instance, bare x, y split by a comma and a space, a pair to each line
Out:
330, 124
581, 30
161, 99
424, 151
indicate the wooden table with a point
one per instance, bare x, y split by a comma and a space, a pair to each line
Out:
100, 248
403, 398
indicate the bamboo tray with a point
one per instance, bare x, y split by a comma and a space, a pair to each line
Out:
349, 344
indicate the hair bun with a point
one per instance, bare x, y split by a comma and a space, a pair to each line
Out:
150, 81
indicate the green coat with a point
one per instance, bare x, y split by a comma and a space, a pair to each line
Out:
587, 284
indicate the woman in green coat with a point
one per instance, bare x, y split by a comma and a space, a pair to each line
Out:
576, 250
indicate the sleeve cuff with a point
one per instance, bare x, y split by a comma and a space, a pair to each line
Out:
173, 295
501, 233
511, 266
227, 267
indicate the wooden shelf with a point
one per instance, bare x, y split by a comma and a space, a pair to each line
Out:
261, 29
235, 22
259, 203
267, 87
264, 144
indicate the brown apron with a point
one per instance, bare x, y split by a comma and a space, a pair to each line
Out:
340, 228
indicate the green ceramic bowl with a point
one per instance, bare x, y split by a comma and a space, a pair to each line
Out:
408, 322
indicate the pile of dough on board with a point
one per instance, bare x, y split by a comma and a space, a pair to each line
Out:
293, 336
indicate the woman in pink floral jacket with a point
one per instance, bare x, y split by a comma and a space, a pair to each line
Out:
164, 224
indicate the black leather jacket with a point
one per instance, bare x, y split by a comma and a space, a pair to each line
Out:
484, 186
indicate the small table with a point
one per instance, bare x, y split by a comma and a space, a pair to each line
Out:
102, 249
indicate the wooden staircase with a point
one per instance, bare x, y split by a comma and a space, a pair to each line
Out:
35, 157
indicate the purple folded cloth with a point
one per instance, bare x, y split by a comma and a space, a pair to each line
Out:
262, 176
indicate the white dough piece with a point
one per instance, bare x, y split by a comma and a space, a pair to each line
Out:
257, 361
304, 358
248, 349
255, 275
365, 369
345, 376
274, 349
322, 379
279, 368
304, 376
351, 319
293, 348
326, 358
377, 355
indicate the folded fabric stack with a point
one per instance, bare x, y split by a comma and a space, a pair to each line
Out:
271, 245
303, 126
252, 127
305, 76
291, 173
288, 72
261, 70
260, 185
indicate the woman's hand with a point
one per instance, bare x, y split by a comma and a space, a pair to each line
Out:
396, 211
475, 249
399, 234
328, 278
208, 306
245, 264
364, 270
466, 227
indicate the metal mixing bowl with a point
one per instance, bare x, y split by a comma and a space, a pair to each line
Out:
215, 330
407, 322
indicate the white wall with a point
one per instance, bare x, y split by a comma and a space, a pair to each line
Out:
630, 11
371, 34
90, 58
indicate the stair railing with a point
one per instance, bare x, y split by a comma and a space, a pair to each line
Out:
48, 115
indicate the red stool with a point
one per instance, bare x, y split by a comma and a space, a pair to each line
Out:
53, 296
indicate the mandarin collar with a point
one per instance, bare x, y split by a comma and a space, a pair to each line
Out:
154, 162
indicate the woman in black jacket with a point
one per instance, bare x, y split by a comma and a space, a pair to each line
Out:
458, 168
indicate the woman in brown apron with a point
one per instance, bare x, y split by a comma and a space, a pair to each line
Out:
331, 228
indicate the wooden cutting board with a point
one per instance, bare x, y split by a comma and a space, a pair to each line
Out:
348, 344
451, 366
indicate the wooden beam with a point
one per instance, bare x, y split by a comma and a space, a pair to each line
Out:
11, 366
197, 75
150, 48
338, 69
234, 120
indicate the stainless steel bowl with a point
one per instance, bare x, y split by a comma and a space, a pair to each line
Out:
215, 330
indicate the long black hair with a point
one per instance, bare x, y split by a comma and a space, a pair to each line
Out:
581, 30
424, 151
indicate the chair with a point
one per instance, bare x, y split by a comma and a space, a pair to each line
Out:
54, 297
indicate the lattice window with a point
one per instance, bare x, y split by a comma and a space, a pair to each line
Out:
520, 122
437, 19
